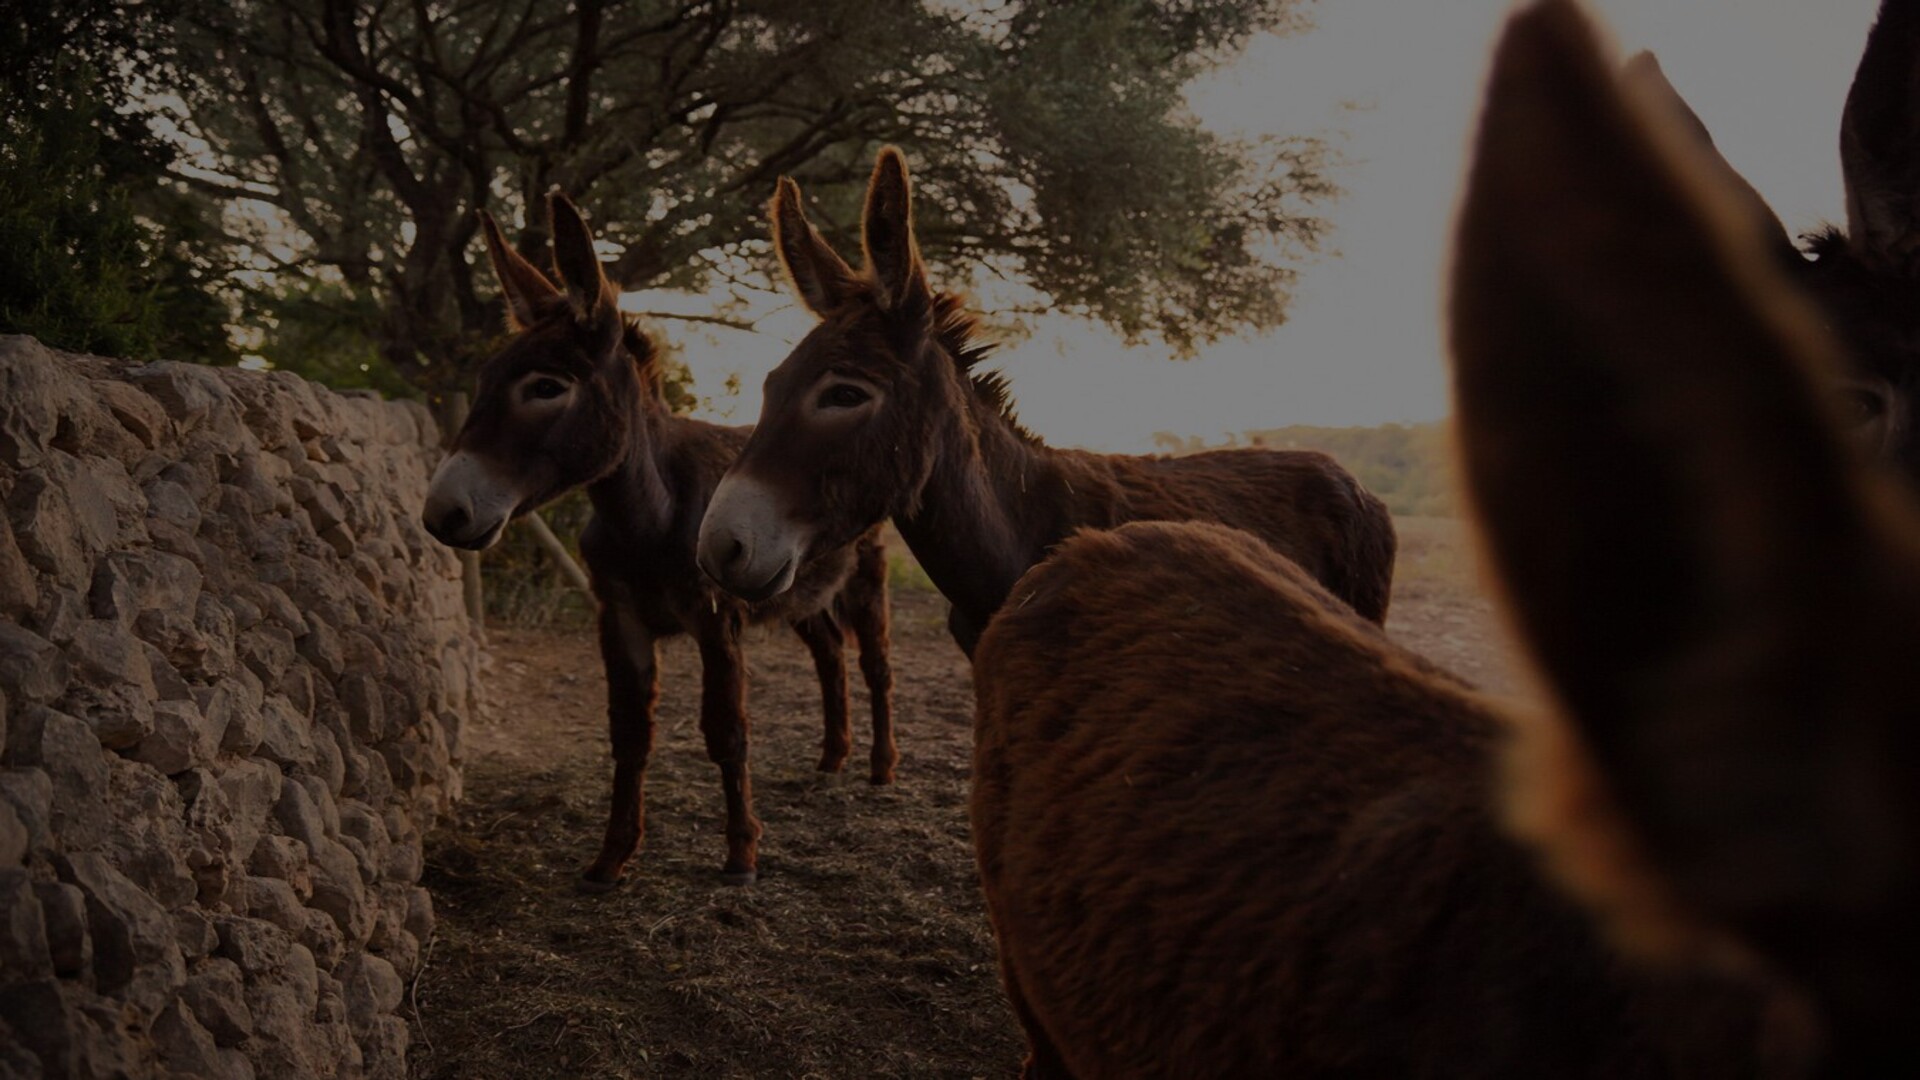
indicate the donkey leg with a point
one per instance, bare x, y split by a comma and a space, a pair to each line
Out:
871, 626
828, 644
633, 686
723, 721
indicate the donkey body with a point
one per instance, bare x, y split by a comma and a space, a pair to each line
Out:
574, 399
1225, 827
879, 413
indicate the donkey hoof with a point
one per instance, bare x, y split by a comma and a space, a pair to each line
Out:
881, 779
739, 877
597, 884
833, 762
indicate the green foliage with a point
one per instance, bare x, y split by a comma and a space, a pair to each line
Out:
1410, 467
95, 254
80, 267
1049, 141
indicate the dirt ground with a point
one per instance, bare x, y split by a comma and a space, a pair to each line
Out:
863, 950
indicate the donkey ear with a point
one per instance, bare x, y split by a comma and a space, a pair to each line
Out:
521, 283
1643, 77
592, 297
886, 231
821, 277
1880, 142
1687, 546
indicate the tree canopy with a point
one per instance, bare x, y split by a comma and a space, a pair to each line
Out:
350, 141
95, 253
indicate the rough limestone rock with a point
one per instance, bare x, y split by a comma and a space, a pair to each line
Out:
233, 676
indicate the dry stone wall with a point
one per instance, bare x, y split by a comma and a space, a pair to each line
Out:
233, 672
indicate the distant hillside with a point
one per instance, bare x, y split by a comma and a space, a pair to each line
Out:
1407, 465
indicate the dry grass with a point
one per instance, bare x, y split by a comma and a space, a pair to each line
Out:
863, 950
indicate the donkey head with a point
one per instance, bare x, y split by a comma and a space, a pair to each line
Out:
1867, 279
1721, 589
558, 406
846, 434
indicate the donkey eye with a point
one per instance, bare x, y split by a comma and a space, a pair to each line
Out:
843, 396
1860, 406
545, 389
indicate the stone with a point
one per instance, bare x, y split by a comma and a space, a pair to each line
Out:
15, 838
273, 900
266, 650
79, 774
252, 791
189, 394
184, 1044
216, 992
321, 648
365, 703
40, 1017
150, 840
419, 921
193, 931
170, 502
19, 593
384, 1049
64, 907
113, 686
257, 946
24, 951
282, 857
32, 668
339, 891
167, 683
181, 739
300, 816
372, 990
129, 583
130, 931
228, 712
329, 764
28, 794
218, 629
322, 937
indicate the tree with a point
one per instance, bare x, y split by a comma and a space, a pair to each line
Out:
95, 254
1048, 140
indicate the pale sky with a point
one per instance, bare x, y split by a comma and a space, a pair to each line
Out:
1394, 85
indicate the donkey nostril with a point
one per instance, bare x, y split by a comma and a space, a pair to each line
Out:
454, 520
737, 553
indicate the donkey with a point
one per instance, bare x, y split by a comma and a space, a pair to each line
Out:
1866, 277
879, 413
575, 399
1226, 827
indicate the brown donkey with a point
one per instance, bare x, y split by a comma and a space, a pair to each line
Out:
574, 399
878, 413
1227, 828
1866, 279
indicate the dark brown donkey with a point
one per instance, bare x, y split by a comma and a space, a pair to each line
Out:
1867, 277
1227, 828
878, 413
574, 399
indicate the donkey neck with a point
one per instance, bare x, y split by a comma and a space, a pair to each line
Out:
987, 513
634, 499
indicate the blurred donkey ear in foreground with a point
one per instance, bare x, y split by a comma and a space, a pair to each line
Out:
1723, 595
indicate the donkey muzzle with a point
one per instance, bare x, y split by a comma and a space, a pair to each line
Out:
468, 504
748, 546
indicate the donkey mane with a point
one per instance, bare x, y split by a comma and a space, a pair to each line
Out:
551, 310
957, 330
